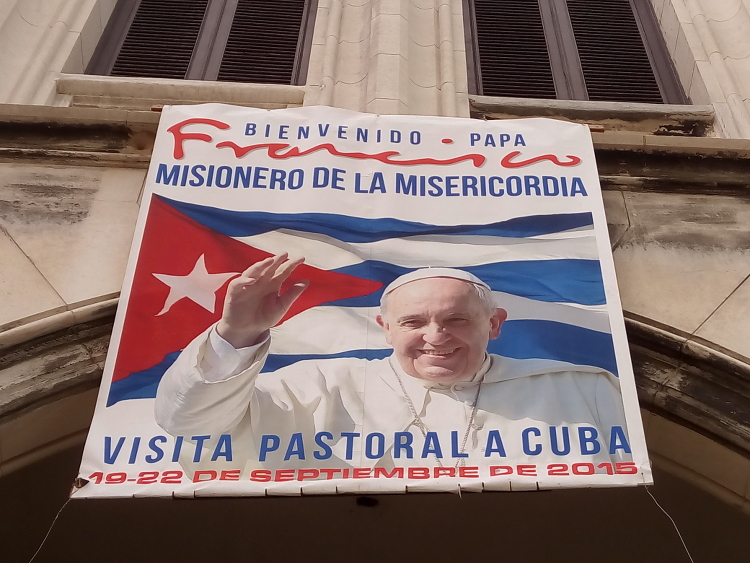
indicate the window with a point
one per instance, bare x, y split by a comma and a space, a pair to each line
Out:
601, 50
265, 41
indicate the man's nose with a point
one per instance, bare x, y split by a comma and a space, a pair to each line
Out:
435, 333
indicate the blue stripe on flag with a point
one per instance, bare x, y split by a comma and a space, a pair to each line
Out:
278, 361
552, 281
357, 229
521, 339
141, 384
551, 340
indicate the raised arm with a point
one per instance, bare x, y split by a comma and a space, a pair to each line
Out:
188, 399
254, 301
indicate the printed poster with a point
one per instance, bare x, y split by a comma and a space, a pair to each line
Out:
320, 301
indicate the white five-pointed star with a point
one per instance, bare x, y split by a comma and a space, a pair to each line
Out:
198, 286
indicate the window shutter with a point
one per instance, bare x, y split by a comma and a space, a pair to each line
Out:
615, 63
513, 53
161, 39
263, 42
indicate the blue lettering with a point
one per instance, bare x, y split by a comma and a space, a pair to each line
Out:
296, 447
406, 187
532, 183
223, 182
321, 177
374, 445
223, 448
455, 452
469, 183
587, 437
403, 441
554, 443
378, 182
134, 449
153, 445
618, 441
577, 188
268, 443
432, 446
242, 175
451, 183
109, 456
494, 444
199, 440
277, 178
527, 449
196, 172
496, 192
337, 178
326, 452
296, 177
349, 436
259, 176
550, 185
163, 178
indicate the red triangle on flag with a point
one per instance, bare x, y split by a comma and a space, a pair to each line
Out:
172, 245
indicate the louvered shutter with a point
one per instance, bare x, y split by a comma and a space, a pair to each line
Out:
263, 41
161, 39
615, 63
513, 54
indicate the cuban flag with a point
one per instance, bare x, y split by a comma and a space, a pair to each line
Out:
543, 269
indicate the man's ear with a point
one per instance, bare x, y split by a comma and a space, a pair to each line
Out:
385, 326
496, 321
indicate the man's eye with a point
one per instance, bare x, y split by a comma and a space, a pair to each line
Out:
411, 324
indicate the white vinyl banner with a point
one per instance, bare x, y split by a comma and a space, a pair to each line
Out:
320, 301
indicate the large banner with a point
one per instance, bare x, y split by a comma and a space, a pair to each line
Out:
321, 301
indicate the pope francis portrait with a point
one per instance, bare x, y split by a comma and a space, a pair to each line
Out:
439, 400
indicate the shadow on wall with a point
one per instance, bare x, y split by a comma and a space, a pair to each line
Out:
616, 525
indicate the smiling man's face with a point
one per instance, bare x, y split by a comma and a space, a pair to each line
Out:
439, 328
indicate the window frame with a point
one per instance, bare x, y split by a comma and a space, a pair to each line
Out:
565, 63
209, 46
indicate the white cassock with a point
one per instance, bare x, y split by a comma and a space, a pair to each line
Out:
527, 411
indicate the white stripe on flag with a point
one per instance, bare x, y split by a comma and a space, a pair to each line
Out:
355, 328
328, 253
593, 317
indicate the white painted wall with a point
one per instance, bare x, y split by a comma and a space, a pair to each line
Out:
709, 41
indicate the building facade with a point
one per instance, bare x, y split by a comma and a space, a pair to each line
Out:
673, 147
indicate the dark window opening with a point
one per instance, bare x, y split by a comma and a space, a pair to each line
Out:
603, 50
265, 41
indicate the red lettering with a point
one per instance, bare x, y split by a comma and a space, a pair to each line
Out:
526, 469
360, 473
329, 473
419, 473
210, 475
260, 475
397, 472
500, 470
444, 472
273, 151
307, 474
506, 161
180, 137
284, 475
233, 475
468, 472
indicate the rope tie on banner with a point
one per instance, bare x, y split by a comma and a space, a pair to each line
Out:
673, 524
49, 531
